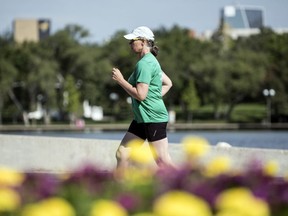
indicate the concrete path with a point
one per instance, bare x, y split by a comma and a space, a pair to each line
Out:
57, 155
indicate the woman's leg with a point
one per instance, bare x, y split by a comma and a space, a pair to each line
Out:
122, 154
162, 154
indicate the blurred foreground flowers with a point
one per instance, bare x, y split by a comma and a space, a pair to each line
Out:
193, 189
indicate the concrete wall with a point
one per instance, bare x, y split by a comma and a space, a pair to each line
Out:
48, 154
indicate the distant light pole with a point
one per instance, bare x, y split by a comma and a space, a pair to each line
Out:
269, 93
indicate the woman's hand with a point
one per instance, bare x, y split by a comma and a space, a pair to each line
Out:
117, 75
139, 92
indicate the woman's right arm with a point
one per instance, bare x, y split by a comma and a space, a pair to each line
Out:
139, 92
166, 83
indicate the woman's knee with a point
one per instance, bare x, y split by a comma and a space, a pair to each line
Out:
122, 153
163, 160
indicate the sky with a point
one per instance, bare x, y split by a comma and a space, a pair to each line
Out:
104, 18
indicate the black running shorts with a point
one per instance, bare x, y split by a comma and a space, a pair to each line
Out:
150, 131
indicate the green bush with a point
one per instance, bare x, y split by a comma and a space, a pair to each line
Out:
249, 113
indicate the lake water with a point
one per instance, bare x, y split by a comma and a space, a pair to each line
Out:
251, 139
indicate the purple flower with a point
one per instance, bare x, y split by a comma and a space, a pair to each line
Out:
129, 201
38, 186
90, 179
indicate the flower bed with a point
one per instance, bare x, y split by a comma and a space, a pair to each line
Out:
140, 190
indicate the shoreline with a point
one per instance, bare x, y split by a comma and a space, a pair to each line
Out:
124, 126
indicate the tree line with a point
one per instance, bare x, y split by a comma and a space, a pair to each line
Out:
63, 70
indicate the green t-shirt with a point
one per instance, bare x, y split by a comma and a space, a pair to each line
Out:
152, 109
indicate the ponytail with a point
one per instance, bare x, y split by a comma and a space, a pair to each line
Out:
153, 49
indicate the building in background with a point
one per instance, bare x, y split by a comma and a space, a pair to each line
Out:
31, 29
241, 21
243, 17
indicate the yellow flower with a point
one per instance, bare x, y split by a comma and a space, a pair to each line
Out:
271, 168
229, 213
218, 166
240, 201
10, 177
50, 207
144, 214
107, 208
176, 203
63, 176
195, 146
134, 175
9, 200
139, 153
286, 176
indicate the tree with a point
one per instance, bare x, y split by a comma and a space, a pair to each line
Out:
275, 47
244, 76
178, 49
72, 58
209, 75
8, 77
8, 74
38, 75
71, 97
190, 99
219, 72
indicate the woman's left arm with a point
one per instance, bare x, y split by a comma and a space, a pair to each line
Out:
166, 83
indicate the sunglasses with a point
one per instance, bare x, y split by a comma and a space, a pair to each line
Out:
135, 39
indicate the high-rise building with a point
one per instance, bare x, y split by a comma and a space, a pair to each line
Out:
241, 21
31, 29
243, 17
